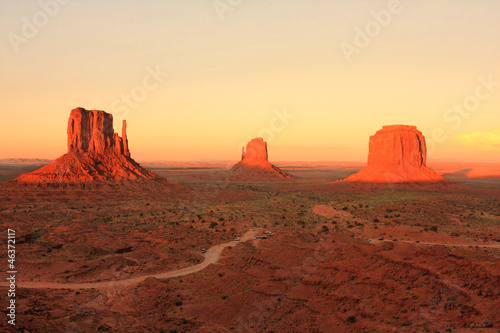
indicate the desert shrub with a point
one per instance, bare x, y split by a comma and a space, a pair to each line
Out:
213, 224
38, 233
434, 228
351, 319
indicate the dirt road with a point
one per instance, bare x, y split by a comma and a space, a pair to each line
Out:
211, 257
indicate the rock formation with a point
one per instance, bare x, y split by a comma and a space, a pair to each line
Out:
95, 152
397, 154
92, 131
254, 164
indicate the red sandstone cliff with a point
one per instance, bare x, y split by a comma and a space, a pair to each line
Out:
95, 152
397, 154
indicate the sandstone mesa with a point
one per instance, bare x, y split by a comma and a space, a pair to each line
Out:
397, 154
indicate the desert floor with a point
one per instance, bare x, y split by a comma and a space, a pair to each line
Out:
342, 257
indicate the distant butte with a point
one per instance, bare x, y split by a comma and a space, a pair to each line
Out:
254, 164
397, 154
95, 152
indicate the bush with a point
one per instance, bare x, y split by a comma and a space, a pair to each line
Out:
434, 228
351, 319
213, 224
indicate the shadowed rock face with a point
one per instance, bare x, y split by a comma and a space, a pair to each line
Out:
397, 153
254, 163
95, 152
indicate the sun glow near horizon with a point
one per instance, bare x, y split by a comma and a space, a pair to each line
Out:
195, 87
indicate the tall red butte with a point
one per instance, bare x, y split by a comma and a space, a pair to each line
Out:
95, 152
254, 163
397, 154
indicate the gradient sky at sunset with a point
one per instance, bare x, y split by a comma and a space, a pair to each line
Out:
232, 69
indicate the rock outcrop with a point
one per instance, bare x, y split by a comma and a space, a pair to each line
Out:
397, 154
95, 152
254, 164
92, 131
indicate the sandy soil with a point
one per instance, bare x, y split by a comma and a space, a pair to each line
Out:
125, 258
211, 256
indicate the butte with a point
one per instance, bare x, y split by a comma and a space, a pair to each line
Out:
254, 164
397, 154
95, 153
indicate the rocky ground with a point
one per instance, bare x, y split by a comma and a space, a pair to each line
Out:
436, 268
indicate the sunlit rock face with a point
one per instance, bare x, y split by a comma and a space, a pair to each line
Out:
95, 152
397, 153
255, 164
92, 131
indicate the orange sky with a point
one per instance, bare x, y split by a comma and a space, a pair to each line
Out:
433, 64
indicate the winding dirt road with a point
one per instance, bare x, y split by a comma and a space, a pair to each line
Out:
211, 257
